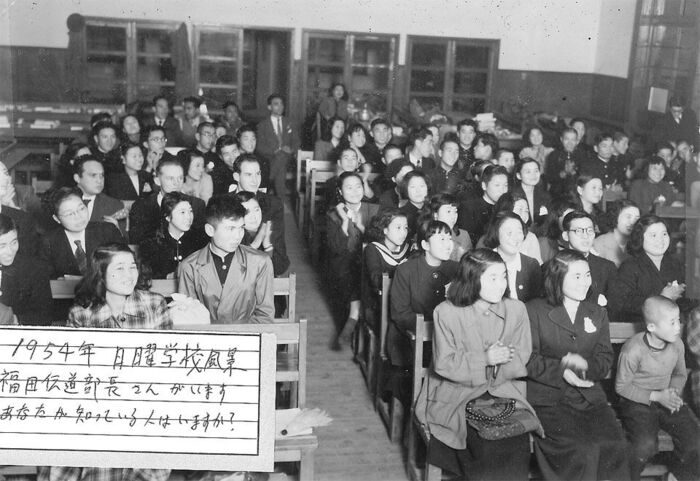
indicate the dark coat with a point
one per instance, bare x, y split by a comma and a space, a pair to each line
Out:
163, 254
637, 279
120, 187
26, 289
59, 254
603, 273
541, 198
668, 130
553, 336
473, 215
273, 209
529, 279
145, 219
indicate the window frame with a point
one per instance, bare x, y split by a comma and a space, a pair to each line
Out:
450, 69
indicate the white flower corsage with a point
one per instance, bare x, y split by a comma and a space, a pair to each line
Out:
543, 211
210, 166
588, 325
602, 300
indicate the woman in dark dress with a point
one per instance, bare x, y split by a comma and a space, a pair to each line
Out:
346, 228
415, 187
175, 240
24, 281
571, 354
650, 271
133, 182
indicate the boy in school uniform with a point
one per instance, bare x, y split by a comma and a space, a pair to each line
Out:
651, 374
233, 281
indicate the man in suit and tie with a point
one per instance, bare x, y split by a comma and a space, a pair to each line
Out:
67, 249
277, 142
162, 118
89, 176
145, 216
233, 281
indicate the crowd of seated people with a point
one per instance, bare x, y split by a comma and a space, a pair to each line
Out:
513, 255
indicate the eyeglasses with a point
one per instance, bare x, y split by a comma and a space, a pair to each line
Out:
74, 213
582, 231
158, 139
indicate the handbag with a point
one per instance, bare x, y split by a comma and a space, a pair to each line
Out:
498, 418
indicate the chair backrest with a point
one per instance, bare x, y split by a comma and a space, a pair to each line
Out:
291, 365
621, 331
302, 157
318, 165
318, 178
423, 334
64, 288
287, 286
384, 316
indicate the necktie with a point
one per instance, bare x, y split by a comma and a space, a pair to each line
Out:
80, 256
86, 202
160, 122
279, 131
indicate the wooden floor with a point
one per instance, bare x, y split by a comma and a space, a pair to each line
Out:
355, 446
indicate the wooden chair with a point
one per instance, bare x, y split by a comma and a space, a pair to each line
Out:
417, 431
64, 288
304, 194
317, 221
391, 412
302, 157
365, 352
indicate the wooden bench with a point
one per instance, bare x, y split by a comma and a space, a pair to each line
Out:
304, 196
366, 349
316, 213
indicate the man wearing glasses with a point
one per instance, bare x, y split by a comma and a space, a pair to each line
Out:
67, 249
145, 218
579, 234
154, 140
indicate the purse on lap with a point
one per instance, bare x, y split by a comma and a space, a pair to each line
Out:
498, 418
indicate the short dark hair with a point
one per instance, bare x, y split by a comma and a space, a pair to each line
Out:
100, 117
602, 137
478, 167
230, 103
676, 101
341, 179
491, 236
584, 179
202, 125
244, 196
403, 186
578, 119
91, 290
418, 134
244, 158
467, 123
635, 244
146, 132
572, 216
336, 84
378, 121
159, 97
196, 101
331, 122
165, 161
274, 96
243, 129
492, 171
438, 200
375, 230
58, 196
125, 147
663, 145
396, 165
620, 135
568, 130
225, 141
222, 207
428, 229
488, 140
79, 164
449, 137
102, 125
654, 160
7, 224
551, 226
466, 286
554, 272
